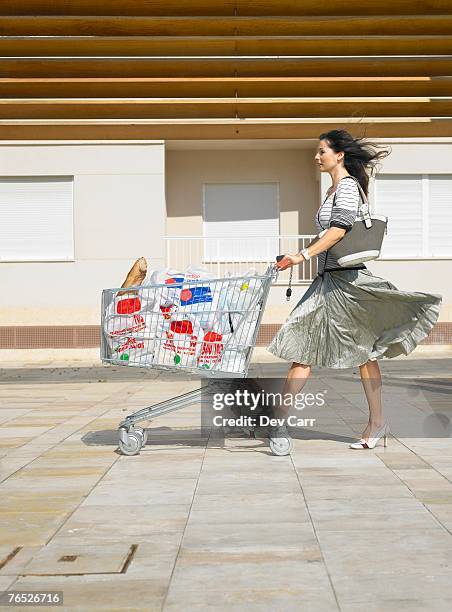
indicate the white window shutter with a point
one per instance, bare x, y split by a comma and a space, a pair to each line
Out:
36, 218
440, 215
241, 222
399, 197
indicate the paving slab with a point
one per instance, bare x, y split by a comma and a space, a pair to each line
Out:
69, 559
199, 523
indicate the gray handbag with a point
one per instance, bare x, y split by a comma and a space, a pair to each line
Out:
363, 242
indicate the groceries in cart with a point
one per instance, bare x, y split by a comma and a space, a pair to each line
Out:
183, 318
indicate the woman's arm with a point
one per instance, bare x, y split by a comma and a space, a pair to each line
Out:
317, 238
318, 245
326, 241
343, 216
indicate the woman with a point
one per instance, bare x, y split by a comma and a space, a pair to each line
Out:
348, 316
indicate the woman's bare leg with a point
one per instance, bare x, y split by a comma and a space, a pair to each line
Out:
295, 381
371, 380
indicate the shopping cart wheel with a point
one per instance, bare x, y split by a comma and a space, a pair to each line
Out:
130, 443
280, 441
143, 433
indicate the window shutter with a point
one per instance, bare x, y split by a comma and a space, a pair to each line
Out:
440, 215
247, 214
36, 218
399, 197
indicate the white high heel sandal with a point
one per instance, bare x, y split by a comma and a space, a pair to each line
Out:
372, 442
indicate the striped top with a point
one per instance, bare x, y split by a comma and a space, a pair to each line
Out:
344, 214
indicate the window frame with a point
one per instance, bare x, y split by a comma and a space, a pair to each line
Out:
57, 259
425, 180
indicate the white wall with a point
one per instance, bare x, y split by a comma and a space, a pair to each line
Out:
293, 169
119, 215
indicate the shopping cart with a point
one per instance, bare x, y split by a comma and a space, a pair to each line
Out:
202, 326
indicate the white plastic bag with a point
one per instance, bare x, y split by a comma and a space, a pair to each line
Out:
130, 329
200, 301
135, 350
212, 349
197, 273
193, 324
180, 344
172, 279
233, 360
124, 316
244, 330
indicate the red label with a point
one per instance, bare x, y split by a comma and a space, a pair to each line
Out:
166, 311
211, 348
212, 336
182, 327
128, 306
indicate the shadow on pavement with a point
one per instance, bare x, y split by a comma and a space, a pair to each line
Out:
419, 368
192, 437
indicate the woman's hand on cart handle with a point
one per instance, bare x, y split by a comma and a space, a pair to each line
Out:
287, 261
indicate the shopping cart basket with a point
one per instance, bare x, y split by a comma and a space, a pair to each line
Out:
203, 326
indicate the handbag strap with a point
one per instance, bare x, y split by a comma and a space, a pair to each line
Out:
363, 204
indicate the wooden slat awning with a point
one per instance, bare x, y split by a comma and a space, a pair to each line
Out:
224, 7
126, 25
210, 46
136, 69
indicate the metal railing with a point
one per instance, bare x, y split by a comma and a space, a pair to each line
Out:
229, 254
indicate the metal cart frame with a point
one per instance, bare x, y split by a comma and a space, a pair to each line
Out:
132, 438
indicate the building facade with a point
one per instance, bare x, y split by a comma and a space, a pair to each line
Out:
186, 132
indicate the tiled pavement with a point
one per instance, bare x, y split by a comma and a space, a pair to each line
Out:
196, 525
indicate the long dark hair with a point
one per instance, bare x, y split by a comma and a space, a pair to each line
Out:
360, 157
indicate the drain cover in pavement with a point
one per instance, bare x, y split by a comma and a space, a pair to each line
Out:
77, 560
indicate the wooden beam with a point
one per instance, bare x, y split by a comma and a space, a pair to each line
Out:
240, 67
224, 7
225, 87
223, 108
220, 130
374, 25
164, 46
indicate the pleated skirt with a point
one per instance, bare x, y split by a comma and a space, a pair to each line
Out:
347, 317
